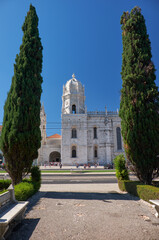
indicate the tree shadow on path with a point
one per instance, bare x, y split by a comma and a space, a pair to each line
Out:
24, 230
91, 196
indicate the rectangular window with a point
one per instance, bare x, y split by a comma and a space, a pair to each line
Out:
74, 133
95, 132
73, 151
95, 152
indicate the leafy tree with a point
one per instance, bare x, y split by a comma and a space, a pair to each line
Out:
139, 107
20, 139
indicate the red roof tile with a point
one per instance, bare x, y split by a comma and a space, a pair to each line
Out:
55, 136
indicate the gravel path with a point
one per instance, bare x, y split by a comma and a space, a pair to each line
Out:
86, 212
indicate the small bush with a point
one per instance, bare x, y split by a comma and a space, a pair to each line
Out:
35, 174
36, 177
121, 171
145, 192
24, 190
4, 184
28, 187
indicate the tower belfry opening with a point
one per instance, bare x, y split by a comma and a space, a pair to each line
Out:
74, 109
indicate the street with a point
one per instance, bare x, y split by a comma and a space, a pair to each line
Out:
76, 178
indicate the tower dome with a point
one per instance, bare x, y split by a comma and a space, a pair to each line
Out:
73, 97
74, 86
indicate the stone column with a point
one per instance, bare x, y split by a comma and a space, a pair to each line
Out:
108, 153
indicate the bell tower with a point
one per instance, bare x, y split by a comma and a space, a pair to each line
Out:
74, 124
73, 99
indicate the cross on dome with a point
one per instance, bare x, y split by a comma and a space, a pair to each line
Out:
73, 75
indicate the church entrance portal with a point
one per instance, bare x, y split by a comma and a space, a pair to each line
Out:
54, 157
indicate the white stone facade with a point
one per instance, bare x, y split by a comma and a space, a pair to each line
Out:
87, 137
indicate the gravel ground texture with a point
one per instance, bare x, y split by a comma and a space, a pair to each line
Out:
86, 212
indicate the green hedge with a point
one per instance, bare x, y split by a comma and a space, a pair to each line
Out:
24, 190
3, 191
120, 168
28, 187
145, 192
36, 177
4, 184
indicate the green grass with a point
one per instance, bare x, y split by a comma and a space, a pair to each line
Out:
76, 171
2, 171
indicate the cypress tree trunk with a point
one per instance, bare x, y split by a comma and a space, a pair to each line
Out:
139, 107
20, 139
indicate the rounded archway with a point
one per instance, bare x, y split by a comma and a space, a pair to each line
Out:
55, 157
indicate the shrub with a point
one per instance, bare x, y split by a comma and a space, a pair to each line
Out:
121, 170
24, 190
35, 174
36, 177
145, 192
28, 187
4, 184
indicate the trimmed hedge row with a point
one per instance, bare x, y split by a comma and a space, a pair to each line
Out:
3, 191
4, 184
23, 190
27, 187
145, 192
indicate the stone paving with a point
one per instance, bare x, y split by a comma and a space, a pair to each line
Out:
86, 212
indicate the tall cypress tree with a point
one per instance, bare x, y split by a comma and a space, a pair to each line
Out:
139, 107
20, 139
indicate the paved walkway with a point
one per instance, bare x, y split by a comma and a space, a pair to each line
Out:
86, 212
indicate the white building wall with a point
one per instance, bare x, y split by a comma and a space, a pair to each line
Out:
79, 122
46, 152
84, 122
117, 123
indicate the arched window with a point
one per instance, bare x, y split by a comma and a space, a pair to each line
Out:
74, 151
74, 109
74, 133
118, 136
95, 152
95, 132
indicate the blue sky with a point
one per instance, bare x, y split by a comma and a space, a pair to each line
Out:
78, 36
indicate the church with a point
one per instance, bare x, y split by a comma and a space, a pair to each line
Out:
86, 137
